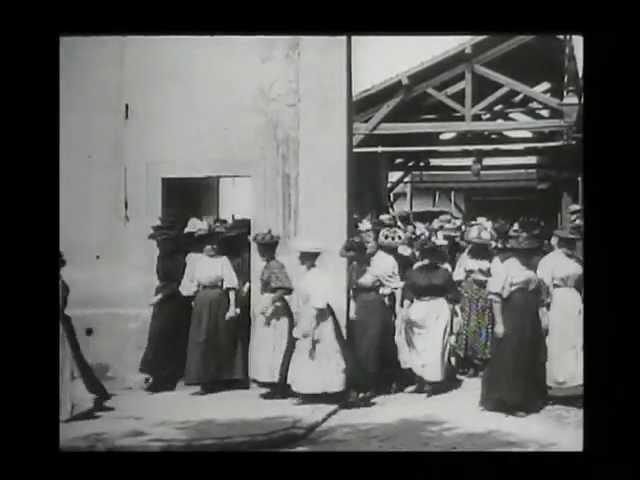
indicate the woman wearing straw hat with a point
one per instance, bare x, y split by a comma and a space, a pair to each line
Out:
472, 274
565, 338
317, 366
212, 362
514, 380
271, 343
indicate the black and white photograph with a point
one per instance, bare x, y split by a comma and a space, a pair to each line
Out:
321, 242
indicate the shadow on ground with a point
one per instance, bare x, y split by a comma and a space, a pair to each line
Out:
422, 435
273, 432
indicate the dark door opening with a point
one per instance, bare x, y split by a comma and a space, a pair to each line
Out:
186, 197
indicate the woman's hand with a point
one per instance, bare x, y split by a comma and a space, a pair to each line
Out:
232, 312
155, 299
498, 331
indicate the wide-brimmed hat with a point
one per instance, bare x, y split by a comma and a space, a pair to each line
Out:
439, 240
391, 237
387, 220
525, 241
307, 245
573, 209
365, 225
266, 238
352, 247
572, 231
195, 225
480, 235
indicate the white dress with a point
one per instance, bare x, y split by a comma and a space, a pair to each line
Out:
317, 364
422, 338
269, 333
565, 338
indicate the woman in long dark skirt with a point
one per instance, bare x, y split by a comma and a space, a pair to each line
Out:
369, 317
514, 381
212, 360
166, 351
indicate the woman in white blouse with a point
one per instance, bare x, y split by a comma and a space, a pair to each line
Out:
211, 355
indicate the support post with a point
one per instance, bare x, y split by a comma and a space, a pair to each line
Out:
468, 92
410, 195
580, 191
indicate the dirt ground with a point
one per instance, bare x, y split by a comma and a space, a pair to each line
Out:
452, 421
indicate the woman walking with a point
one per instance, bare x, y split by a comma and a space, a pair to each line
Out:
318, 365
81, 392
472, 273
272, 340
565, 338
213, 338
424, 328
369, 318
514, 380
166, 351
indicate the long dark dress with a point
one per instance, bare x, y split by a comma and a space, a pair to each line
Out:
366, 333
515, 376
166, 351
213, 339
243, 300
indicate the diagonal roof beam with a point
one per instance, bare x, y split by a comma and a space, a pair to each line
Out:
446, 100
408, 170
515, 85
453, 89
490, 99
386, 109
426, 64
443, 77
480, 59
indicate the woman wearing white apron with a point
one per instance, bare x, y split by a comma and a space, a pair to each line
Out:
424, 328
565, 336
271, 337
317, 366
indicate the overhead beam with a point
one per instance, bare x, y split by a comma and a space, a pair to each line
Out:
468, 92
490, 99
402, 178
418, 68
515, 85
477, 126
480, 184
386, 109
443, 77
446, 100
461, 148
466, 176
480, 59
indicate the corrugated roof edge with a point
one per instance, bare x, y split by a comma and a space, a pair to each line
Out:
427, 63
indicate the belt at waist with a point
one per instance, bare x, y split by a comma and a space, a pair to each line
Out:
211, 287
358, 290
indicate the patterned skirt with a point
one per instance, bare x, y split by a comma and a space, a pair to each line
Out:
473, 342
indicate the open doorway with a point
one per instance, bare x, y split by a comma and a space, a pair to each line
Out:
215, 197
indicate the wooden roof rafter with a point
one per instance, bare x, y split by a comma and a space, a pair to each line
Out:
422, 87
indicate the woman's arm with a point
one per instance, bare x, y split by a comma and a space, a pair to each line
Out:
497, 315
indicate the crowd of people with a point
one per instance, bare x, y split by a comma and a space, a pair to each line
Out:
429, 302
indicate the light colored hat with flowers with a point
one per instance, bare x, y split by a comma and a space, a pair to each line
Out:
479, 234
391, 237
307, 245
